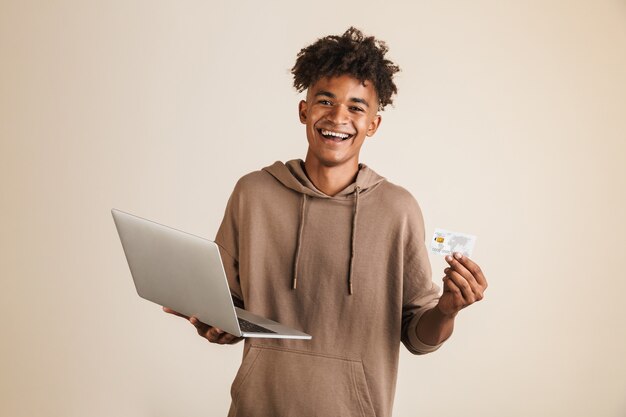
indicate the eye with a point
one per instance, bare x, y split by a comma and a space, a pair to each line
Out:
325, 102
357, 109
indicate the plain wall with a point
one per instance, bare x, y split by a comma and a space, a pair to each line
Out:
510, 123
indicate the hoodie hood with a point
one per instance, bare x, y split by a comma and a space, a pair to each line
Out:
292, 176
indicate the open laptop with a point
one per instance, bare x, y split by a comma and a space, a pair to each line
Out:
185, 273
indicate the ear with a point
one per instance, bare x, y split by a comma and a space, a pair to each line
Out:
374, 124
302, 111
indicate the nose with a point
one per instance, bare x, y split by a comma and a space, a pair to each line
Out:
338, 115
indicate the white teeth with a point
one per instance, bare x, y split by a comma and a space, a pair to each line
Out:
335, 134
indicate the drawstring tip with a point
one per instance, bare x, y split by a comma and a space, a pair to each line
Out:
294, 284
350, 289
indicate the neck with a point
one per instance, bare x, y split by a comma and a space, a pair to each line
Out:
330, 179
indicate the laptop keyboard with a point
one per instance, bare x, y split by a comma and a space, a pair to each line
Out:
246, 326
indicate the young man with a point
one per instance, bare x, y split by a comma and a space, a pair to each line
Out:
328, 246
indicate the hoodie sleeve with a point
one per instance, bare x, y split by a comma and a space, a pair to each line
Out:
420, 292
227, 239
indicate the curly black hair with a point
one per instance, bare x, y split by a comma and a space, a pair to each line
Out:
352, 53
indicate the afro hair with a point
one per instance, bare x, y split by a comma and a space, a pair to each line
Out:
352, 53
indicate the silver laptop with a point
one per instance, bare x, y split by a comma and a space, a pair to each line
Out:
185, 273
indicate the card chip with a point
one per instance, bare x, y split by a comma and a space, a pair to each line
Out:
439, 239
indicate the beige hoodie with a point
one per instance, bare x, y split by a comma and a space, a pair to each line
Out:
351, 270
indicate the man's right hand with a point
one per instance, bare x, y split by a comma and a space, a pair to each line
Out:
212, 334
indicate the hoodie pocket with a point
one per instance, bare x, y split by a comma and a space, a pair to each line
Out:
282, 382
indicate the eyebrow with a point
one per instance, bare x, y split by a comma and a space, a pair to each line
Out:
325, 93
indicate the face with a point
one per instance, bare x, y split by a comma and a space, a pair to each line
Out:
339, 113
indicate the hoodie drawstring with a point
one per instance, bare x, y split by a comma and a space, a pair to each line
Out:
355, 212
294, 282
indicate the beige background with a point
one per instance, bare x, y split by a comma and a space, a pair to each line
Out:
510, 124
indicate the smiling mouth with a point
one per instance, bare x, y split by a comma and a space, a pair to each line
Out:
334, 136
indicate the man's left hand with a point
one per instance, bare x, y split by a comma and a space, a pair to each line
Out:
463, 285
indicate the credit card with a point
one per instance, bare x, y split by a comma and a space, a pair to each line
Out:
445, 242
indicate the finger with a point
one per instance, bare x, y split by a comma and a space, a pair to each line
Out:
456, 264
474, 269
176, 313
457, 300
213, 334
475, 288
464, 286
227, 339
201, 327
448, 286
